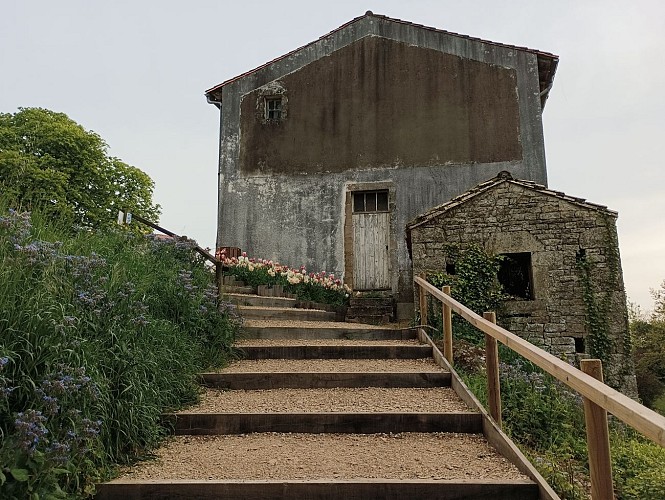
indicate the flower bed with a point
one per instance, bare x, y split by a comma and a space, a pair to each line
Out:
319, 287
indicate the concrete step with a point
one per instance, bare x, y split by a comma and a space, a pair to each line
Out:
320, 380
290, 313
387, 351
256, 300
329, 422
251, 330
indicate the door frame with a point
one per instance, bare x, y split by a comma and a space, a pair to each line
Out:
350, 188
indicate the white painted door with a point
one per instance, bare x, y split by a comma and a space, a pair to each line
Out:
371, 263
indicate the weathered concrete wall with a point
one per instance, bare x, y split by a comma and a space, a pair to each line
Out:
511, 219
381, 103
298, 216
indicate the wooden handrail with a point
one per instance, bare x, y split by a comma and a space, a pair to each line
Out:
641, 418
203, 252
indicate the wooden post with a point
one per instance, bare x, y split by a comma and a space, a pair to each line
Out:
219, 277
447, 328
493, 383
423, 302
598, 439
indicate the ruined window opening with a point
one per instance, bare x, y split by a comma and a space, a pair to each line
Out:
516, 275
580, 347
580, 255
450, 267
370, 201
273, 108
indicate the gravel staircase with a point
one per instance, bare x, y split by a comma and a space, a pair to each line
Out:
322, 409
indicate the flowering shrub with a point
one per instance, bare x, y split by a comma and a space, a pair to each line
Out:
318, 287
99, 334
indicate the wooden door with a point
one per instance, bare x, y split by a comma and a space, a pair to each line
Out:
371, 241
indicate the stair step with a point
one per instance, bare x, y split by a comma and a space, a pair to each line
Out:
235, 289
256, 300
259, 312
320, 380
393, 351
416, 489
273, 465
317, 423
371, 319
324, 331
338, 399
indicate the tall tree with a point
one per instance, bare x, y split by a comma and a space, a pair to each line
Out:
50, 162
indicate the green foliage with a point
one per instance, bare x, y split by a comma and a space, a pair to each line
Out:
648, 335
597, 296
638, 467
474, 284
99, 334
48, 161
597, 310
547, 421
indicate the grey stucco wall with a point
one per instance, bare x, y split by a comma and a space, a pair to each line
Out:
299, 219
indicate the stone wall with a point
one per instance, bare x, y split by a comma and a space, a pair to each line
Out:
563, 238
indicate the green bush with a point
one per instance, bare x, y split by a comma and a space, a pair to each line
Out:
638, 467
99, 334
474, 284
547, 421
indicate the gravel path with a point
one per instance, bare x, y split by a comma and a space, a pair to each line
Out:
304, 342
332, 365
327, 456
366, 399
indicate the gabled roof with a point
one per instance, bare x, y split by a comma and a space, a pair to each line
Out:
502, 178
547, 62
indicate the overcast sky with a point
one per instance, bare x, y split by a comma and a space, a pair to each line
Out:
134, 71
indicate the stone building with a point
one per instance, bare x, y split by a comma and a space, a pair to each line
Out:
328, 151
561, 266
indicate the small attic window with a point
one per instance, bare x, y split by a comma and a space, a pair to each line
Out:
273, 107
516, 275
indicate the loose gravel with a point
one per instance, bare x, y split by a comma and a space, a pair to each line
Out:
264, 456
331, 365
366, 399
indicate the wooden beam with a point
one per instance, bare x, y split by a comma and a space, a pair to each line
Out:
492, 363
423, 302
641, 418
447, 328
598, 438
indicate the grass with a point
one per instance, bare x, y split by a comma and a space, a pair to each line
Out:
99, 334
546, 420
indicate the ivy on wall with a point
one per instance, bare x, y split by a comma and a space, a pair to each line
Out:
473, 282
597, 296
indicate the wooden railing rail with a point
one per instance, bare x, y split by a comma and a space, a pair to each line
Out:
598, 398
641, 418
201, 251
